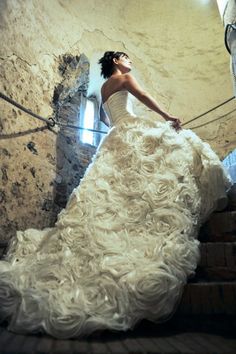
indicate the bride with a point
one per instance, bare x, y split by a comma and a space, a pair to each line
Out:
126, 243
115, 68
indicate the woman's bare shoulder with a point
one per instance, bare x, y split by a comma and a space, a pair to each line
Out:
113, 84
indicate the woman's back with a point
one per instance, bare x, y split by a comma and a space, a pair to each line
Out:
113, 84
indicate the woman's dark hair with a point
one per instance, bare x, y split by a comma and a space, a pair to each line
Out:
107, 62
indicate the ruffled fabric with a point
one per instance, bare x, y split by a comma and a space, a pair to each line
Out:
125, 244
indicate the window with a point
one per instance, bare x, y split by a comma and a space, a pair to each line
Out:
89, 118
87, 137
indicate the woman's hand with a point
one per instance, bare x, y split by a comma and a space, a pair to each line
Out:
176, 123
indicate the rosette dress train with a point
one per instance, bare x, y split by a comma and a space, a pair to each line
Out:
125, 244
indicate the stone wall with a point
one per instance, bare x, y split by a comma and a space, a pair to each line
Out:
41, 167
178, 56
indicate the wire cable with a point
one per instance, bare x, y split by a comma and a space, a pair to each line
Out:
51, 122
210, 110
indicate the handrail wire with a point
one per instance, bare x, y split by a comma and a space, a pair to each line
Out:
51, 122
210, 110
14, 103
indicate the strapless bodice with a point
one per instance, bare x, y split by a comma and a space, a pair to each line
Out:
118, 107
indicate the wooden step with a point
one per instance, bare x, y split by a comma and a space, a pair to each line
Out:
208, 298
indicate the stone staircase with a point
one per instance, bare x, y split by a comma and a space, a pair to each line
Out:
209, 299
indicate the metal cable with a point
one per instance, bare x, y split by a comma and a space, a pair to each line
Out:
210, 110
51, 122
14, 103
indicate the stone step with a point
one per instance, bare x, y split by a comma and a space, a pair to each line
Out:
217, 263
214, 298
214, 274
218, 254
219, 227
232, 198
224, 237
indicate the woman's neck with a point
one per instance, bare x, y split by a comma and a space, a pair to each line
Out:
117, 72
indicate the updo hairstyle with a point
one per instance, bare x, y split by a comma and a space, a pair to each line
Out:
107, 64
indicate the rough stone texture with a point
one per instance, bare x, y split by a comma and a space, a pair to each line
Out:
72, 157
178, 56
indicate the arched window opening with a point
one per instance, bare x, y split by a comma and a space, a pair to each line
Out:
89, 118
87, 137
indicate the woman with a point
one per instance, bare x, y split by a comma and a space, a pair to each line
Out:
116, 66
126, 242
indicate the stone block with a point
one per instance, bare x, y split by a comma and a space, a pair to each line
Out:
230, 254
215, 273
221, 224
215, 254
203, 253
216, 298
218, 254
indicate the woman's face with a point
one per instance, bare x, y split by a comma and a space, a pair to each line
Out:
123, 63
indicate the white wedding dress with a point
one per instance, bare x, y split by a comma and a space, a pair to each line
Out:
125, 244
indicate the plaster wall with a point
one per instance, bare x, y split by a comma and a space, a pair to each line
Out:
178, 55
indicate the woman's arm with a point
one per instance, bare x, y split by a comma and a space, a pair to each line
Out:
135, 89
103, 117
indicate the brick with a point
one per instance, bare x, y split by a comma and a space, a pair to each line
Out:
208, 346
116, 346
147, 344
218, 254
6, 338
205, 300
80, 346
14, 344
203, 252
230, 254
224, 345
185, 303
227, 237
132, 345
215, 254
29, 344
179, 345
196, 299
216, 298
218, 305
98, 347
163, 346
229, 295
44, 345
216, 273
222, 223
190, 340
